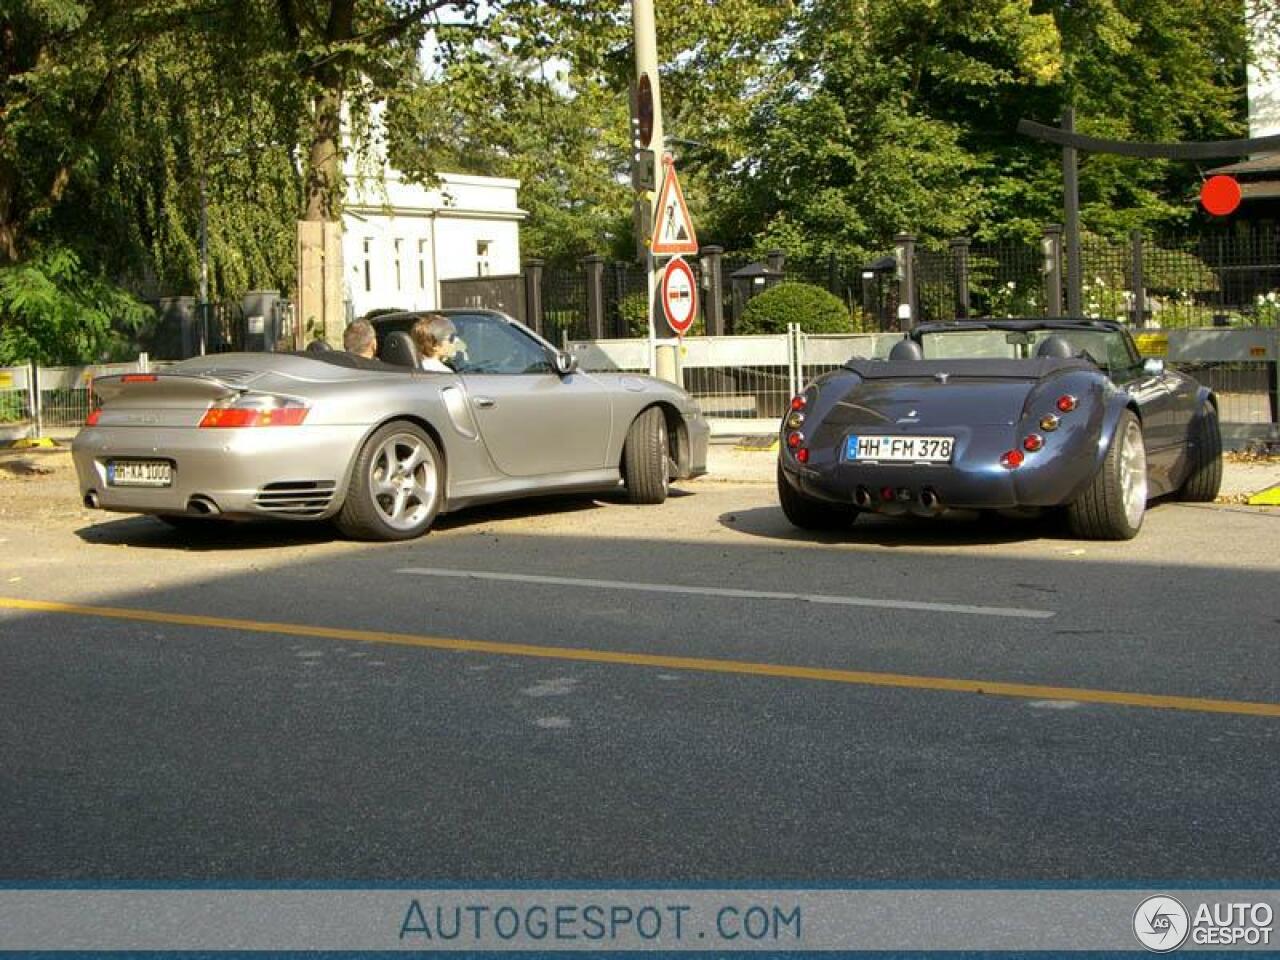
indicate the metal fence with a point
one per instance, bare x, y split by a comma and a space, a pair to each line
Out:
743, 383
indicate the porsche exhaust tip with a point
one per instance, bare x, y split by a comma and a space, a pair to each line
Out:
91, 500
202, 506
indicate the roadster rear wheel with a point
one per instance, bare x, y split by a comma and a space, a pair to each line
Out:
646, 458
810, 514
1205, 479
396, 485
1113, 506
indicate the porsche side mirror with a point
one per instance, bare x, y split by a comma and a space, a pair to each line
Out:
1153, 367
564, 363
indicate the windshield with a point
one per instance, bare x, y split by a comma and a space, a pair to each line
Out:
1110, 350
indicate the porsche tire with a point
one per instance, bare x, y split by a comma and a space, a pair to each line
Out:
810, 514
1113, 506
646, 458
397, 485
1205, 479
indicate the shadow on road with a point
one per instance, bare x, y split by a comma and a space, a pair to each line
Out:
954, 529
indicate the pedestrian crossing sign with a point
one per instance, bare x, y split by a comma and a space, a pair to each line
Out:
673, 227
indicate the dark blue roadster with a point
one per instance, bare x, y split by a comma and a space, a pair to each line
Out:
1001, 415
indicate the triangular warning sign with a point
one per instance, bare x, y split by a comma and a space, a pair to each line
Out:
672, 228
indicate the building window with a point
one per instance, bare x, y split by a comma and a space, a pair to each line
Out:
398, 246
368, 266
482, 258
422, 264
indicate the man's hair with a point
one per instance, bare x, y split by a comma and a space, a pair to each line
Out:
429, 330
359, 337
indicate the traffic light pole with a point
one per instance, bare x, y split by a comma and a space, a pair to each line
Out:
648, 136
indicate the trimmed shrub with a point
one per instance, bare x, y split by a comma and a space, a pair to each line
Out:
814, 309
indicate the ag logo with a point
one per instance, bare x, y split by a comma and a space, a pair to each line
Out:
1161, 924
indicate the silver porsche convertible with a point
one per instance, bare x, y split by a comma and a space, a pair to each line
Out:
381, 446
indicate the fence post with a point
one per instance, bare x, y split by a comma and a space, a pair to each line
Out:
594, 268
1051, 247
795, 373
1139, 280
960, 268
533, 294
33, 385
904, 250
713, 290
775, 260
616, 319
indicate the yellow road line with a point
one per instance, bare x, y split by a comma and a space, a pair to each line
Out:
700, 664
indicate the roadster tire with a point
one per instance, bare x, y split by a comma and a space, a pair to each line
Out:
646, 458
1205, 479
810, 514
1115, 502
397, 485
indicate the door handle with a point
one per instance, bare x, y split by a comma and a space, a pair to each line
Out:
486, 403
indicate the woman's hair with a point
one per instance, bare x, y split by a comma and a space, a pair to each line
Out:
429, 331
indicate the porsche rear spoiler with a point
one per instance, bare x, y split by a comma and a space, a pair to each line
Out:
166, 388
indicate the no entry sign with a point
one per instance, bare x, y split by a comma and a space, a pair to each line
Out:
679, 296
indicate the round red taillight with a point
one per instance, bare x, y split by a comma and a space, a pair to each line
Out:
1032, 442
886, 493
799, 403
1067, 403
1012, 459
802, 455
794, 440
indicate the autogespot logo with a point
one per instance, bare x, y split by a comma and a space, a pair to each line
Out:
1161, 924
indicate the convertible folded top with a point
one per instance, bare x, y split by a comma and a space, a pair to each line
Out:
1035, 368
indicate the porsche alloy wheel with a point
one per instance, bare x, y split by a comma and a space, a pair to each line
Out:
1113, 506
646, 458
396, 486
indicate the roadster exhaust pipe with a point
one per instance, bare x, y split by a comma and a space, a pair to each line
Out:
929, 499
862, 497
91, 500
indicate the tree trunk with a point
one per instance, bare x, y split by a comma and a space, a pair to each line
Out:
325, 180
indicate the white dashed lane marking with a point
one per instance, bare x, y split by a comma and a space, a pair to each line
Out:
1024, 613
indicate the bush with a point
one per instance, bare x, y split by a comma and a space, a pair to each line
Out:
814, 309
54, 311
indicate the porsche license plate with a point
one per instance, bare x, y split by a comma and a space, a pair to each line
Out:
890, 449
140, 473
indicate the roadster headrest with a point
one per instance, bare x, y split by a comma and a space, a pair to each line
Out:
1055, 346
318, 346
398, 348
905, 350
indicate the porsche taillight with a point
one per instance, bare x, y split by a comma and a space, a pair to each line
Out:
256, 412
94, 416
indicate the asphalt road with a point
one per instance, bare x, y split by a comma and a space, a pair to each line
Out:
535, 692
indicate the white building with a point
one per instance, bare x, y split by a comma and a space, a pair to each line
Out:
1264, 84
401, 239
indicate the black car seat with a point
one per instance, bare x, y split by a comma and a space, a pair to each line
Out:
318, 346
398, 348
1057, 347
905, 350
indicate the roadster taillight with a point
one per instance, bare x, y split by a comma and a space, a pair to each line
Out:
1067, 403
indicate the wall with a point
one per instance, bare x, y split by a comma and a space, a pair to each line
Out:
438, 230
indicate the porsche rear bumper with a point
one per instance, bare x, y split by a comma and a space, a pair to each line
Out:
292, 472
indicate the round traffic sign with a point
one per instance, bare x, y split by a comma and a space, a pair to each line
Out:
1220, 195
679, 295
